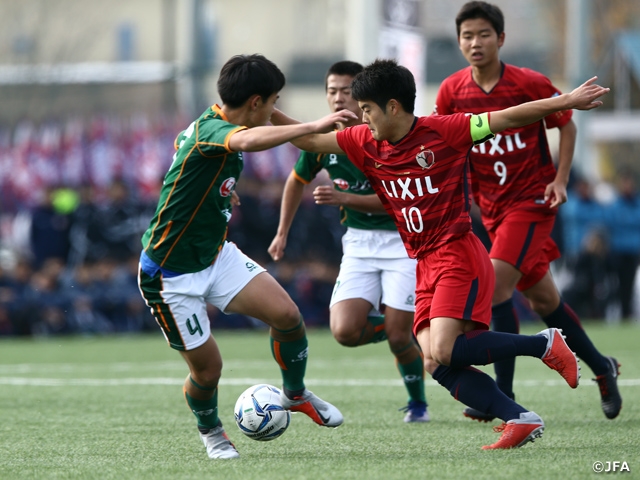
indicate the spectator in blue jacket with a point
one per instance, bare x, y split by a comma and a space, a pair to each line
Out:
623, 217
580, 215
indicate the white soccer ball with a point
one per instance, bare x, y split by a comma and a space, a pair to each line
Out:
260, 414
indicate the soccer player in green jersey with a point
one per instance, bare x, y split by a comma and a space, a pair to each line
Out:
375, 267
186, 261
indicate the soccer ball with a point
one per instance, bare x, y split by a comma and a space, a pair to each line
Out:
260, 414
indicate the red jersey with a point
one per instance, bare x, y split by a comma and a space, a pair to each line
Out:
513, 169
422, 180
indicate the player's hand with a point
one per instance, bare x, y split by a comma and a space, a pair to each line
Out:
585, 96
557, 193
276, 249
327, 195
235, 199
328, 123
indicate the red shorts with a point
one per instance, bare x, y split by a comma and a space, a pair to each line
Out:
524, 240
455, 281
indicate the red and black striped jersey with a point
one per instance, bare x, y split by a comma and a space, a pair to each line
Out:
422, 180
513, 169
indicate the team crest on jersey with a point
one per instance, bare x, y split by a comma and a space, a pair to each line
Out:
227, 187
341, 184
425, 158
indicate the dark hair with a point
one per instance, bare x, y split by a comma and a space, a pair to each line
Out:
491, 13
246, 75
345, 67
384, 80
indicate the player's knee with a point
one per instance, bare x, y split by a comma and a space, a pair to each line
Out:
345, 335
206, 378
501, 295
544, 305
398, 339
288, 317
441, 355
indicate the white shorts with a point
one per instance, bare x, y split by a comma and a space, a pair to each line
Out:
179, 303
385, 276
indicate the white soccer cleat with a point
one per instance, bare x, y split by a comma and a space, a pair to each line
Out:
218, 443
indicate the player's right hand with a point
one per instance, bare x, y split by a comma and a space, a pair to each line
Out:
328, 123
276, 249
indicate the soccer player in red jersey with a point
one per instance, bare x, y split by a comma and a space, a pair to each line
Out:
418, 167
518, 190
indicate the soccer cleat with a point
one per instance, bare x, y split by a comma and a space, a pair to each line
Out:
218, 443
474, 414
559, 357
515, 433
608, 383
416, 412
321, 412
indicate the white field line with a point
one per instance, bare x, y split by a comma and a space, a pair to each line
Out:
114, 382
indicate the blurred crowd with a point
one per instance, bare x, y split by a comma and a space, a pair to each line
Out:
77, 270
601, 248
76, 198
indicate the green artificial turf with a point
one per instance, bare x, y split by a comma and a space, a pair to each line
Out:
112, 408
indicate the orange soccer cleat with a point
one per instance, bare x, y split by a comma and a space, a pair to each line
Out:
559, 357
516, 433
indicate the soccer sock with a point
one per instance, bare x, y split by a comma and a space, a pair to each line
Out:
481, 347
478, 391
412, 371
290, 350
206, 411
505, 320
373, 331
565, 318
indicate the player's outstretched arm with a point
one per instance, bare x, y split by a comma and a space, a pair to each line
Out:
327, 195
318, 143
263, 138
585, 97
291, 198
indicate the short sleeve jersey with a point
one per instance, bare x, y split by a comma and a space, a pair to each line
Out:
512, 170
190, 222
422, 179
345, 177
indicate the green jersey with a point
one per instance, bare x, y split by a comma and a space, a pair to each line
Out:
190, 223
345, 177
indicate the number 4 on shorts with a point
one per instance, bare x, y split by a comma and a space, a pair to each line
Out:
193, 329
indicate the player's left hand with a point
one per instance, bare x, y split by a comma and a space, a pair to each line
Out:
235, 199
585, 97
557, 193
327, 195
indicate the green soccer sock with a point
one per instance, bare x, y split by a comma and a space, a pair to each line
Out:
374, 331
206, 411
413, 376
290, 350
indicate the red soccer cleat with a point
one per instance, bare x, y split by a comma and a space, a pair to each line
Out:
516, 433
560, 358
